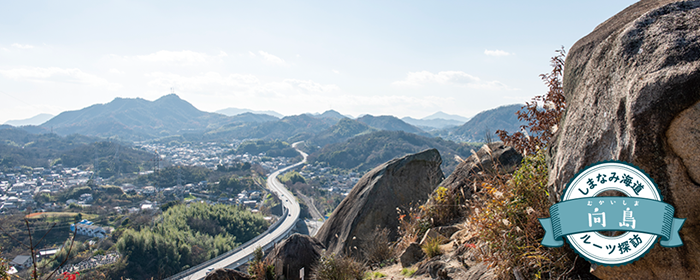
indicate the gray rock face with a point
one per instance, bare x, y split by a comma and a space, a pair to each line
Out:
227, 274
374, 199
485, 159
632, 88
411, 255
293, 253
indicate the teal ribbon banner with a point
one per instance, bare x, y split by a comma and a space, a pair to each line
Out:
611, 213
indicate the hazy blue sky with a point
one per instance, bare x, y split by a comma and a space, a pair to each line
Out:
405, 58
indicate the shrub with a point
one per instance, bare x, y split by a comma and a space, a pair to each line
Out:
333, 267
379, 250
541, 121
432, 247
442, 207
412, 225
506, 218
261, 268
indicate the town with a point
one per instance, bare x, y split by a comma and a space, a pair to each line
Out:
26, 189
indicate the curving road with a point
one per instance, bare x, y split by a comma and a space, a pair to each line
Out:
243, 255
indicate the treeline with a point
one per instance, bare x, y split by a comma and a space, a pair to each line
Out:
21, 148
184, 236
270, 148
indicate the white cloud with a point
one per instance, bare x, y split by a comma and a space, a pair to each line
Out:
58, 75
251, 54
497, 53
20, 46
336, 71
181, 57
311, 86
269, 58
115, 71
457, 78
237, 84
4, 49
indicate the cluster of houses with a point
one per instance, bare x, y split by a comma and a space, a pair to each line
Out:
17, 190
211, 154
84, 227
89, 229
332, 180
21, 262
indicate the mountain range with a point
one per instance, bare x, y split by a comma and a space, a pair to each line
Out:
134, 119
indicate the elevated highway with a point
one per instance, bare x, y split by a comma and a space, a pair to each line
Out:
276, 233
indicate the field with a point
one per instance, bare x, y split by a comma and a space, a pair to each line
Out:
57, 215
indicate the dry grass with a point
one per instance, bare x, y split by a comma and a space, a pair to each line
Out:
333, 267
505, 216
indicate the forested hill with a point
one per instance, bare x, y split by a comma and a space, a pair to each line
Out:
19, 148
485, 124
291, 128
390, 123
369, 150
135, 119
341, 131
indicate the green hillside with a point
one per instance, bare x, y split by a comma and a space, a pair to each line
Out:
20, 148
484, 125
366, 151
343, 130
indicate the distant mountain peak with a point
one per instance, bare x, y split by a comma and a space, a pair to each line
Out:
445, 116
237, 111
35, 120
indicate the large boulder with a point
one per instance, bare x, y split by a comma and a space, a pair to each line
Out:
293, 253
227, 274
373, 201
489, 158
633, 89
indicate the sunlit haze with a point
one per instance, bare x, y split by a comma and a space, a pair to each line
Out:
403, 58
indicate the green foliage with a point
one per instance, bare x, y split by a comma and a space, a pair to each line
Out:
408, 272
432, 247
374, 275
333, 267
442, 207
507, 220
186, 235
292, 177
165, 206
234, 184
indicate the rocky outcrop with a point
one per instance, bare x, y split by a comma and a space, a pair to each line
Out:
293, 253
227, 274
485, 159
374, 199
411, 255
632, 89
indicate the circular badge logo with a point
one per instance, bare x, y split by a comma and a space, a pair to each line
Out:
582, 214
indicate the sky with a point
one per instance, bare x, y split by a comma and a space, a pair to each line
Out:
401, 58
